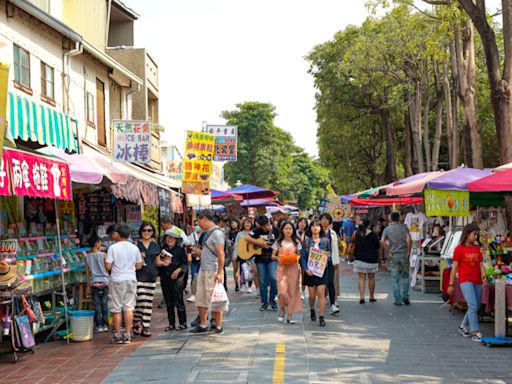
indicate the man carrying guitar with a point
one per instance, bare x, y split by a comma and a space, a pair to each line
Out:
264, 236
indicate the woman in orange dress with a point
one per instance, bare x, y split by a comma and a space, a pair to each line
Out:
286, 251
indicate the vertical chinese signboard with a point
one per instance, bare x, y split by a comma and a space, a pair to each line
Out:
197, 164
132, 141
225, 142
446, 203
38, 176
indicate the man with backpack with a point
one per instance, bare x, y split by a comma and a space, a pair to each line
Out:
210, 273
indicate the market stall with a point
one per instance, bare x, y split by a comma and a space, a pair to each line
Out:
37, 239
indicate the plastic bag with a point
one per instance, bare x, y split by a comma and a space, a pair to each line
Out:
220, 300
247, 269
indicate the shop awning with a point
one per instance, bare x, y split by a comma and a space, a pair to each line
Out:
457, 179
147, 176
81, 169
104, 165
249, 191
29, 120
415, 186
497, 182
261, 203
386, 201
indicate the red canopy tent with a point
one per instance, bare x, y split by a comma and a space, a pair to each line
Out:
497, 182
386, 201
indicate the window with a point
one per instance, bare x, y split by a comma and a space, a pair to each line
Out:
21, 66
47, 82
90, 108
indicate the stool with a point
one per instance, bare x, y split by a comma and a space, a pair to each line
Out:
84, 302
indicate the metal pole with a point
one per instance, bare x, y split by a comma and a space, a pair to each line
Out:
63, 280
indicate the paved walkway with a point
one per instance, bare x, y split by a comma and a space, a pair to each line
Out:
370, 343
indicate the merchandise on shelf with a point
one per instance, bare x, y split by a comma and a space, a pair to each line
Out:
37, 260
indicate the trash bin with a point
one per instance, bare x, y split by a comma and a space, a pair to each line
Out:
82, 324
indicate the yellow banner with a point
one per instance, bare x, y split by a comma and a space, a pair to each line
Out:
446, 203
197, 164
4, 79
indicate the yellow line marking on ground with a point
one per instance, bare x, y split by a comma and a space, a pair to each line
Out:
278, 377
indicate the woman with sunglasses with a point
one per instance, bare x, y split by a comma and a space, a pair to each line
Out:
146, 279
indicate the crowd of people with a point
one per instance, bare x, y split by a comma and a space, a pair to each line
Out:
279, 258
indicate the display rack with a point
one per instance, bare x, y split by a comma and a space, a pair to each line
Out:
423, 279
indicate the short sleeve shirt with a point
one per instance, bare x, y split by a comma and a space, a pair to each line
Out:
123, 256
469, 259
396, 234
209, 258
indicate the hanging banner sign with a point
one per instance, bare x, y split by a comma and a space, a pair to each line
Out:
132, 141
38, 176
5, 189
446, 203
164, 202
197, 164
336, 209
175, 169
225, 141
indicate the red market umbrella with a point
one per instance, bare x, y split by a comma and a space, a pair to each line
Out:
497, 182
386, 201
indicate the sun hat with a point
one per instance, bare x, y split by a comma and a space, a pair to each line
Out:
173, 233
7, 274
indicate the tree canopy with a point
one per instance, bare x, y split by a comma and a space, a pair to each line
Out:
268, 157
402, 94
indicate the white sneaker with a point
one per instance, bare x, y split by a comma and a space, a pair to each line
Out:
249, 290
98, 329
302, 297
191, 299
258, 293
334, 309
477, 337
243, 289
280, 318
105, 328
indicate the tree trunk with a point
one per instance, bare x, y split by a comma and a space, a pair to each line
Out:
439, 120
455, 150
426, 111
415, 111
465, 55
449, 109
407, 143
500, 87
391, 175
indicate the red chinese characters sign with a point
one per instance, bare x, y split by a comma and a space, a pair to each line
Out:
37, 176
4, 176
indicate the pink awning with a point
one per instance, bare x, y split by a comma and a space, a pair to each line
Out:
415, 186
105, 166
80, 168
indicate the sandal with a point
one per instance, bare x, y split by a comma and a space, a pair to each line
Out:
146, 332
136, 330
169, 328
181, 327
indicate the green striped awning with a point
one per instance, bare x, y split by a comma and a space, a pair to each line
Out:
36, 122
